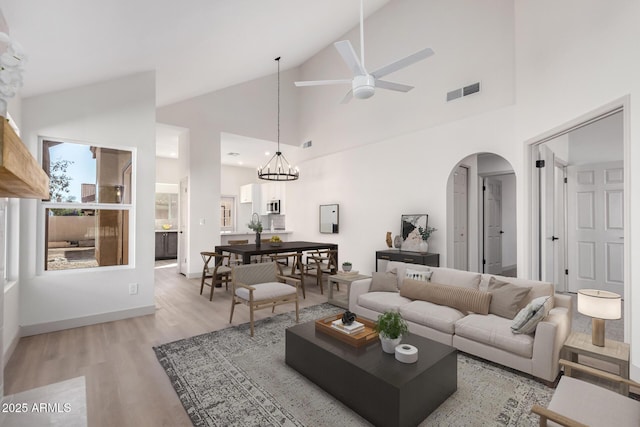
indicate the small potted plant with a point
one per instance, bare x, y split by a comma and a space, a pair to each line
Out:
390, 328
425, 233
346, 266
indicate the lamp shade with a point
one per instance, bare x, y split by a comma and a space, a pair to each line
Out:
599, 304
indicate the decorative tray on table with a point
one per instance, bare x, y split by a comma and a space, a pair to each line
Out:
359, 339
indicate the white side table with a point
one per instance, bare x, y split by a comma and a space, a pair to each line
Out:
345, 280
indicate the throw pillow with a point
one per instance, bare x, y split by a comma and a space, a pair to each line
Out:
423, 275
384, 282
462, 299
528, 318
506, 298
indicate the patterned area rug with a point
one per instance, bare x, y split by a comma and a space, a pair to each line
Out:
227, 378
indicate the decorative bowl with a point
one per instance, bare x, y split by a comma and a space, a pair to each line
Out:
166, 226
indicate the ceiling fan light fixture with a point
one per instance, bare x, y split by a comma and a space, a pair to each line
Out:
278, 168
364, 86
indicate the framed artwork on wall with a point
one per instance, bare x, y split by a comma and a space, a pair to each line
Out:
409, 230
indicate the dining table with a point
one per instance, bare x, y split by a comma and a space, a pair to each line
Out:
248, 250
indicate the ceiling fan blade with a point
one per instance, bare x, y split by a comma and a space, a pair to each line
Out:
347, 97
349, 57
393, 86
404, 62
323, 82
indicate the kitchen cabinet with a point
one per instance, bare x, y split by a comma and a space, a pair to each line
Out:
251, 193
272, 191
166, 244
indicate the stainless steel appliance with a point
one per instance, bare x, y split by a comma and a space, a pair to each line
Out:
273, 207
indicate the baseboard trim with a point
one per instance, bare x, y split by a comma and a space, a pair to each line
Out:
43, 328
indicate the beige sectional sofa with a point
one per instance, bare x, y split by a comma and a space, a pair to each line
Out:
488, 335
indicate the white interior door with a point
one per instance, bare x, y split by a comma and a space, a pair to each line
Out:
461, 219
596, 227
492, 190
183, 232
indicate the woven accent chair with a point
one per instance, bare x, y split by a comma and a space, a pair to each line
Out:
290, 265
214, 268
260, 286
322, 262
577, 403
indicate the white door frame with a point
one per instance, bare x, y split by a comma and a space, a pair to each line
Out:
461, 221
531, 237
183, 230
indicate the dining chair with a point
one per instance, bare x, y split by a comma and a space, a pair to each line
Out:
214, 268
322, 262
236, 260
290, 265
260, 286
577, 403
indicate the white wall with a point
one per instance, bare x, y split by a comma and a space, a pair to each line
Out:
116, 113
375, 184
473, 41
167, 171
572, 58
248, 109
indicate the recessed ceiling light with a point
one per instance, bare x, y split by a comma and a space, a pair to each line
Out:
266, 153
240, 163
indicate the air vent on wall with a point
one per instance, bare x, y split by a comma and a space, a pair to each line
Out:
464, 91
306, 144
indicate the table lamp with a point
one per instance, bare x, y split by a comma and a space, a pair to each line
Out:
599, 305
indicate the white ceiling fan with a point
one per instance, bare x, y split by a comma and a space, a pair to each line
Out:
363, 83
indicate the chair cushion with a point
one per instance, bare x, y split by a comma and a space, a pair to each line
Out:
264, 291
438, 317
593, 405
494, 331
382, 301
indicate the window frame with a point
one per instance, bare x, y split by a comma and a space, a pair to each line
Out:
233, 215
43, 205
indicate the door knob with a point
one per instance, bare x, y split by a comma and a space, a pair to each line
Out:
554, 238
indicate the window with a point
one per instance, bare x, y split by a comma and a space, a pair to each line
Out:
227, 204
87, 216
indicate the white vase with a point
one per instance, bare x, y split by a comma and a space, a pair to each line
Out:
389, 344
423, 246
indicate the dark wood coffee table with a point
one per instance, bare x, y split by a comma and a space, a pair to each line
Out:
373, 383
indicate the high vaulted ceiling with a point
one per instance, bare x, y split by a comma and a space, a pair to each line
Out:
195, 46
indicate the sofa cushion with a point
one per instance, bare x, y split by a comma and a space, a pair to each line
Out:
462, 299
438, 317
422, 275
538, 288
494, 331
401, 268
506, 298
452, 277
382, 301
384, 282
528, 318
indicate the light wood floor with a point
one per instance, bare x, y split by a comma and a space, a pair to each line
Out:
125, 384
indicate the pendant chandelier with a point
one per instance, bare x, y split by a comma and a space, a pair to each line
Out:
278, 168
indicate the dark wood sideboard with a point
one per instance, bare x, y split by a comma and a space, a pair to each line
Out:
430, 259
